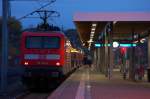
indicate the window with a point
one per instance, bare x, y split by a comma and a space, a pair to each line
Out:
46, 42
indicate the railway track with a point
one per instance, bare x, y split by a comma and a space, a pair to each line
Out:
36, 93
34, 96
41, 94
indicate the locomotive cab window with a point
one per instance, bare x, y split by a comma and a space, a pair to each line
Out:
46, 42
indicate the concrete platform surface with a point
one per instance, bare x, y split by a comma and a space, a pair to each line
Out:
87, 83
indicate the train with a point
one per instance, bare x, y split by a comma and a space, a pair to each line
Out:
47, 55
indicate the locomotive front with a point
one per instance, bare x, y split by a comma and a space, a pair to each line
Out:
42, 54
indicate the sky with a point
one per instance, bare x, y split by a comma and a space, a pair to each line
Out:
67, 8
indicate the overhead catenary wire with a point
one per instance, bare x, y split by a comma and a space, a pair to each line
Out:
26, 0
55, 13
36, 10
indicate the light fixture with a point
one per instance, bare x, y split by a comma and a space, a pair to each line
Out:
92, 32
135, 36
91, 36
58, 64
115, 44
90, 41
142, 41
94, 25
114, 22
26, 63
93, 29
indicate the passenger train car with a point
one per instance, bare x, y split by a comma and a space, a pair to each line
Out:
47, 55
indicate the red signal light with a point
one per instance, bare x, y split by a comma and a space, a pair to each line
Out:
123, 50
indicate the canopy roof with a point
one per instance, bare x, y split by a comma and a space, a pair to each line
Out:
124, 23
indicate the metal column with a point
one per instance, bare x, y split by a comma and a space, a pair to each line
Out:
109, 32
106, 53
4, 64
149, 51
111, 56
100, 59
132, 64
103, 57
98, 64
95, 59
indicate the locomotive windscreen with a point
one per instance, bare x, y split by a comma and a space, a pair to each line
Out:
44, 42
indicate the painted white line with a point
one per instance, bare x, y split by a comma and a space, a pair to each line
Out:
81, 89
88, 86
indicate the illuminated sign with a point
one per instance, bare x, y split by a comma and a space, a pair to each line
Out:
97, 45
127, 45
119, 45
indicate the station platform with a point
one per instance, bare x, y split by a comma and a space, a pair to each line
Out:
87, 83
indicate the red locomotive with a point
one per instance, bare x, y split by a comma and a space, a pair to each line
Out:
47, 55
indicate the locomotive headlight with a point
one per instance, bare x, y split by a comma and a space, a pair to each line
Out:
58, 64
26, 63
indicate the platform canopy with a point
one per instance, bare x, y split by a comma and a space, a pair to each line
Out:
124, 23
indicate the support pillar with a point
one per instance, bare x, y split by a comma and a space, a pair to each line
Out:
149, 51
95, 59
98, 59
110, 48
3, 67
103, 60
132, 63
106, 53
102, 56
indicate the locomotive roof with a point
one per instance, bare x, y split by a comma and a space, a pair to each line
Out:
39, 32
54, 33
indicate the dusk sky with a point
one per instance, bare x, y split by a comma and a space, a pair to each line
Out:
67, 8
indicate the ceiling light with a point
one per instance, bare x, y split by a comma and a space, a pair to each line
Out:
93, 29
114, 22
92, 32
92, 35
94, 25
90, 41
